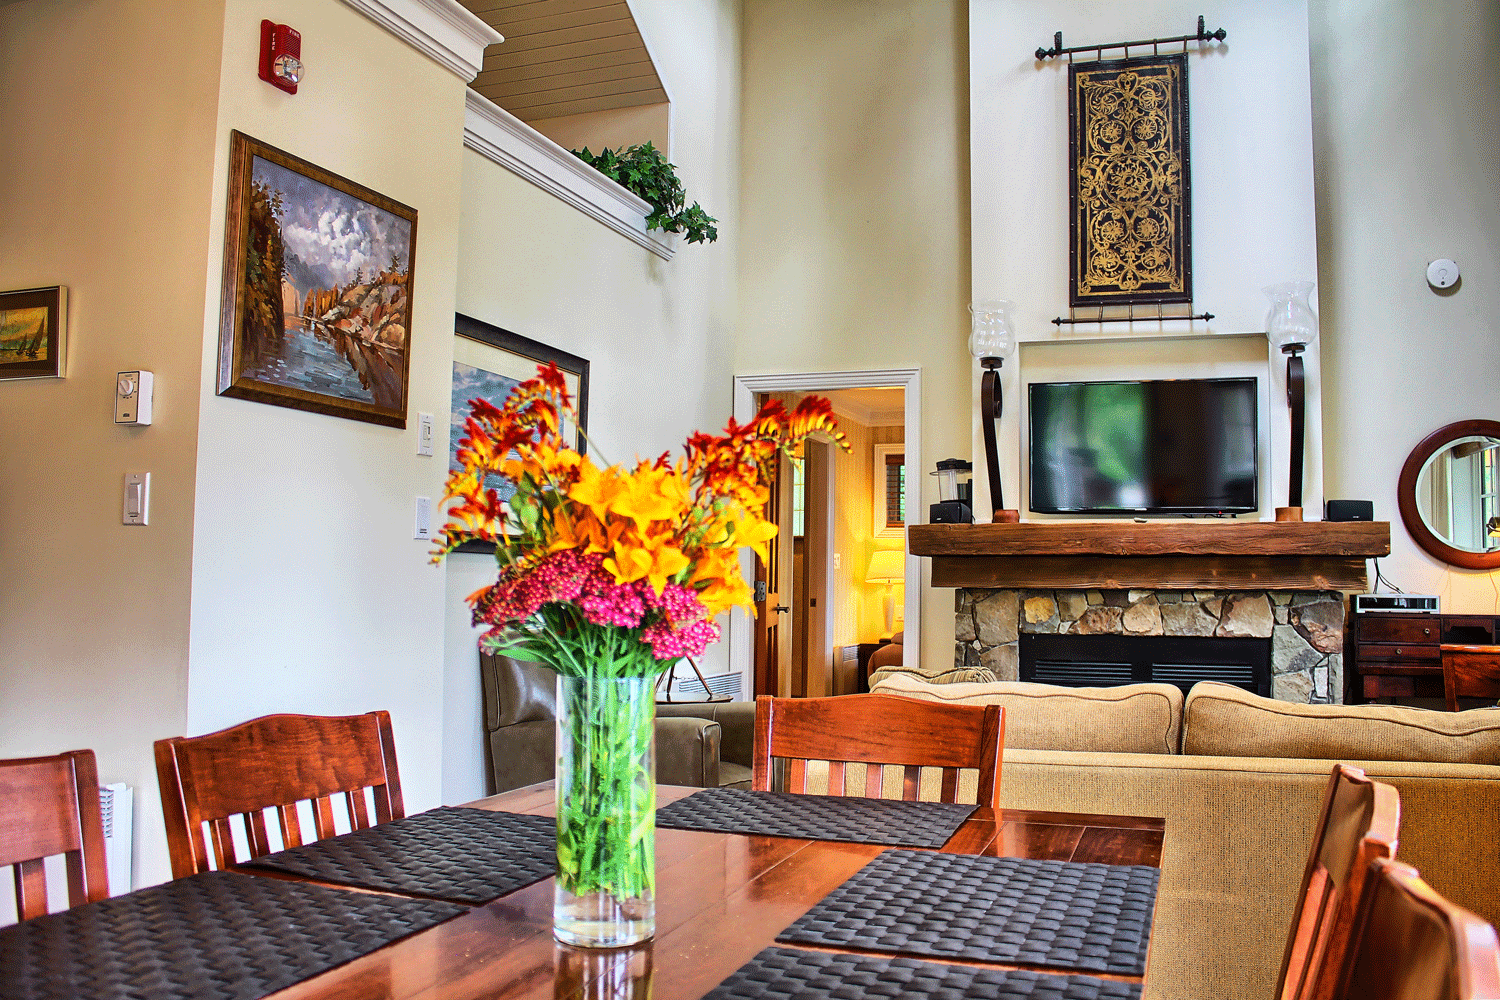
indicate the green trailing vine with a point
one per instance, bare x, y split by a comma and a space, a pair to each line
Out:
642, 170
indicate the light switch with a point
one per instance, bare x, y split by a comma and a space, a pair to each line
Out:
137, 507
424, 434
423, 519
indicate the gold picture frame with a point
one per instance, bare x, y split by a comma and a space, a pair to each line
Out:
34, 333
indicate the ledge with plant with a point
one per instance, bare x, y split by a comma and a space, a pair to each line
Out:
645, 172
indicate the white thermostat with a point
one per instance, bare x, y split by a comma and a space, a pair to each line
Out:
133, 398
1442, 273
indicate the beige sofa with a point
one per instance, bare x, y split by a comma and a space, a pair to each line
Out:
1240, 780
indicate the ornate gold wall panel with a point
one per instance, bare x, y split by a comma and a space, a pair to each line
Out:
1131, 212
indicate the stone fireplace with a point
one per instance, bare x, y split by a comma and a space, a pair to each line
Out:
1305, 629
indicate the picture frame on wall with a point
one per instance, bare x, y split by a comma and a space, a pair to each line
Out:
318, 278
34, 333
488, 362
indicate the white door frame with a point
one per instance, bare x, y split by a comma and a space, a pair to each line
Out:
741, 636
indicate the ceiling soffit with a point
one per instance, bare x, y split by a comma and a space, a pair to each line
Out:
565, 57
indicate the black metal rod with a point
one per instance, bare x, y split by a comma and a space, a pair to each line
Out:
1296, 398
1061, 320
1201, 36
989, 410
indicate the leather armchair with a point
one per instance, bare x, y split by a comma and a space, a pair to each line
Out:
520, 724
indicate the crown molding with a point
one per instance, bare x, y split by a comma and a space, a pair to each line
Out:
501, 137
441, 29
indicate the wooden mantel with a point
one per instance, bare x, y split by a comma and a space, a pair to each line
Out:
1116, 555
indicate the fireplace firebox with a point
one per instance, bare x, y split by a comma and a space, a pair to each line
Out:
1105, 660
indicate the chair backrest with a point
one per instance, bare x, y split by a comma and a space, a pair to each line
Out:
50, 805
1360, 822
879, 729
273, 762
1470, 672
1412, 944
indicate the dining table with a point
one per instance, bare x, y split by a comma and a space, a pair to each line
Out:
721, 898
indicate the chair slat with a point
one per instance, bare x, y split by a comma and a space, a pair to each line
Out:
911, 782
260, 841
274, 761
874, 780
222, 836
949, 791
835, 777
796, 775
31, 888
359, 816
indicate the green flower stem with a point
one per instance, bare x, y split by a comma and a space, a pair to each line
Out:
606, 796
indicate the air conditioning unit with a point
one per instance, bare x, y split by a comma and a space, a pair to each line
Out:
719, 685
117, 809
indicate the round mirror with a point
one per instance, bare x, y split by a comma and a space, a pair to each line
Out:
1449, 494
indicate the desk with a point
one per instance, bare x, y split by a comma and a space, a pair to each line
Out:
721, 898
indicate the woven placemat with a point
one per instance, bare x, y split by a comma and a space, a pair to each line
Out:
816, 817
1093, 918
464, 855
214, 935
810, 975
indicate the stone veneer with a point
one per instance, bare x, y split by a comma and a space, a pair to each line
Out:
1306, 628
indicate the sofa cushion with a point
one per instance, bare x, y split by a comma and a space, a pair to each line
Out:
1226, 721
1131, 718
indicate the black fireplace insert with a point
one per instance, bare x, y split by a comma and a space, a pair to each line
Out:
1107, 660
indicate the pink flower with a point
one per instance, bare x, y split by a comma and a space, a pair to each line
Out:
690, 640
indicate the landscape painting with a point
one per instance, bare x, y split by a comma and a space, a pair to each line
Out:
488, 362
32, 327
318, 289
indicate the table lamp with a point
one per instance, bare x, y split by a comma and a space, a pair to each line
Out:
887, 567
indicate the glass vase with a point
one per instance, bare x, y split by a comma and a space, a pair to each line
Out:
1290, 322
606, 811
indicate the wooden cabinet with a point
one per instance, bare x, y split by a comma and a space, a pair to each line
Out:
1396, 655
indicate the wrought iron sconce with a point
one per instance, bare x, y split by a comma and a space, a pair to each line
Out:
1291, 325
991, 340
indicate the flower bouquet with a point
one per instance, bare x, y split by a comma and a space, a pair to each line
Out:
609, 576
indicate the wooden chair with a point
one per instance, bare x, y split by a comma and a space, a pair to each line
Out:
1470, 672
273, 762
1412, 944
878, 729
50, 805
1360, 822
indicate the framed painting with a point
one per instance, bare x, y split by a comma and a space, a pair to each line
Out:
488, 363
34, 333
316, 309
1131, 226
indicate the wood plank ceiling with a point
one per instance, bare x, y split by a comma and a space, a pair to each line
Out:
565, 57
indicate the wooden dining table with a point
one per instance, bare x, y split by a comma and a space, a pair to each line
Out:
720, 899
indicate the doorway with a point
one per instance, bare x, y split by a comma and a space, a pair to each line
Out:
814, 594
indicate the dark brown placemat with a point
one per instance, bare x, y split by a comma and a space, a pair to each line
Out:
1058, 914
816, 817
215, 935
463, 855
787, 973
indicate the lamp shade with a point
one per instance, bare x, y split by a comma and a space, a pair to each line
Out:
991, 333
886, 566
1290, 323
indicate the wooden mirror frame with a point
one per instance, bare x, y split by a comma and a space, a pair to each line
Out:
1406, 494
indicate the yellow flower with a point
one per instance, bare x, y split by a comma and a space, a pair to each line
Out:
597, 488
651, 495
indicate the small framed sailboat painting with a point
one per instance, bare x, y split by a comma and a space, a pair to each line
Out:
34, 333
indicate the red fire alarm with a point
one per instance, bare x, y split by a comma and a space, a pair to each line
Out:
280, 55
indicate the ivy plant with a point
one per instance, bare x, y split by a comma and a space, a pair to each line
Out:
643, 171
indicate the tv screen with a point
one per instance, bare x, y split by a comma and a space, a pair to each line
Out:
1184, 446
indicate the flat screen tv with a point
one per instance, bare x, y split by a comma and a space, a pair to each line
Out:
1180, 446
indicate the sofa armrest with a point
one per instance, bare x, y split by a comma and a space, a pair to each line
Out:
687, 752
737, 719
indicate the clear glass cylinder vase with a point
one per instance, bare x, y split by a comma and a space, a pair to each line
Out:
606, 811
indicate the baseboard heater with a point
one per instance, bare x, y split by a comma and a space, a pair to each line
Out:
117, 810
687, 688
1109, 660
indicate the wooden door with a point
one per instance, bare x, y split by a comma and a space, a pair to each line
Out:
773, 591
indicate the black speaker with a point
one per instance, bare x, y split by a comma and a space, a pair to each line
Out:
1349, 510
950, 512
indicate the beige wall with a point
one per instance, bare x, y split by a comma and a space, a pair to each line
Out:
1406, 117
105, 183
855, 207
309, 592
658, 334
